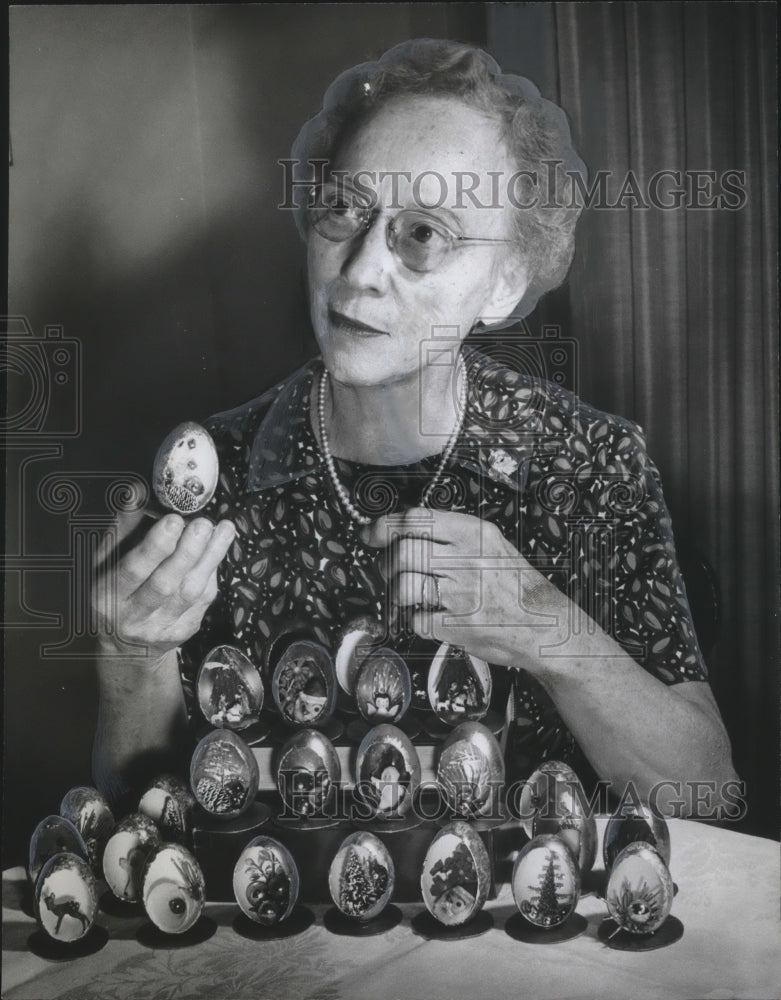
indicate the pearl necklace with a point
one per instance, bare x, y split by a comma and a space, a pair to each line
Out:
341, 492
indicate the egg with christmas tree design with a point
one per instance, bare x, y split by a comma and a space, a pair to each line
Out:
546, 881
361, 877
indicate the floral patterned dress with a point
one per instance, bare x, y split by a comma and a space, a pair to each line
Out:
570, 487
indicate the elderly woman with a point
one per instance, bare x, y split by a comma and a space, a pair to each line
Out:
404, 474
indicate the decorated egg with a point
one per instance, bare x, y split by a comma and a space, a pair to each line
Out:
355, 642
546, 881
186, 469
304, 683
174, 890
559, 805
539, 792
639, 891
53, 835
459, 685
308, 773
169, 803
456, 874
66, 898
471, 771
230, 690
265, 881
224, 774
387, 772
124, 859
361, 876
633, 823
383, 689
89, 812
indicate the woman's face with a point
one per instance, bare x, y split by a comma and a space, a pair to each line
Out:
373, 315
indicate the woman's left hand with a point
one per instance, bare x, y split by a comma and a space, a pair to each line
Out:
469, 586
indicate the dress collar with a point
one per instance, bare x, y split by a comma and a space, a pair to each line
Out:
501, 430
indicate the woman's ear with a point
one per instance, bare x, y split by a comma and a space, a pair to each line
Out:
509, 287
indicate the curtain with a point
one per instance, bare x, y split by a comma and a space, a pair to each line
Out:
675, 310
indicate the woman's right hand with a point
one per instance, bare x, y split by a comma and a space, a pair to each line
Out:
156, 594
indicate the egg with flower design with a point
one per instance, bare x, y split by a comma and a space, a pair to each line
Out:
266, 881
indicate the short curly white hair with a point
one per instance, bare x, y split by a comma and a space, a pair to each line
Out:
535, 130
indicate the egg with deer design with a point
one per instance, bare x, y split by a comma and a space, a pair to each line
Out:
169, 803
126, 854
546, 881
89, 812
640, 889
66, 898
266, 881
174, 890
224, 774
186, 469
230, 689
456, 876
53, 835
362, 876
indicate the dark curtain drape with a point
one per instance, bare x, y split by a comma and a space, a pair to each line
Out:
675, 311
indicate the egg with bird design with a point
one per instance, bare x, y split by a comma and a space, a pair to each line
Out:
174, 889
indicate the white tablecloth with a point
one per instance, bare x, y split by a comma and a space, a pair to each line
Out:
727, 901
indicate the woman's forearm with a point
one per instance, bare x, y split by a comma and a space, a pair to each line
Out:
634, 728
142, 723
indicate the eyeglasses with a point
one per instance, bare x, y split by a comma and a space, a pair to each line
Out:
421, 240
